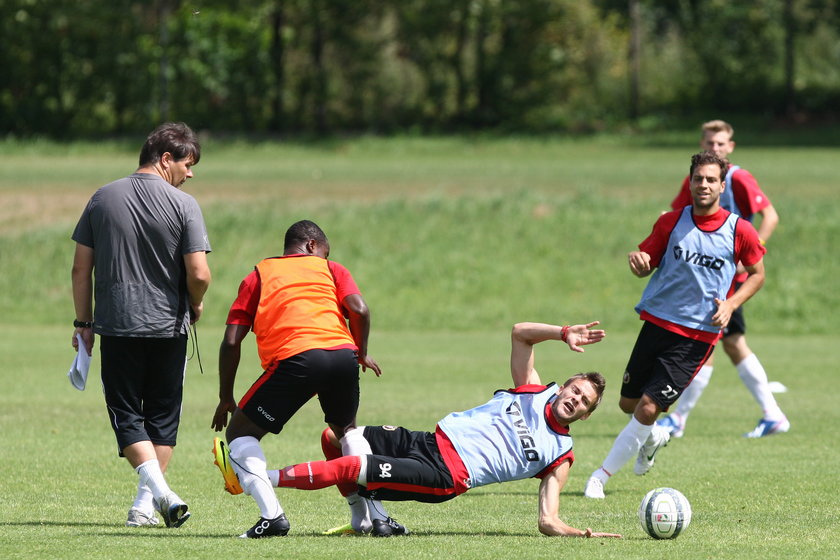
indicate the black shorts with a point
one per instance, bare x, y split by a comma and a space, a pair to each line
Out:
662, 365
280, 391
737, 324
406, 465
143, 382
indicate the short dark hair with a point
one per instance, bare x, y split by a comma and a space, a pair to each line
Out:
708, 158
301, 232
597, 381
174, 137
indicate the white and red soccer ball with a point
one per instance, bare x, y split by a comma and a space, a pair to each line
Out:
664, 513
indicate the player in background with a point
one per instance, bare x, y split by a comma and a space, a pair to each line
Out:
141, 247
745, 198
685, 305
299, 306
520, 433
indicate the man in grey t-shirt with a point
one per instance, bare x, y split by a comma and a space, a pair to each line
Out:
141, 255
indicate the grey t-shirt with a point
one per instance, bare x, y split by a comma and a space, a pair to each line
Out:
140, 227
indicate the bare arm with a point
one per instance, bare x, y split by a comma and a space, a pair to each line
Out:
229, 354
769, 221
198, 280
525, 335
359, 318
751, 285
549, 503
81, 276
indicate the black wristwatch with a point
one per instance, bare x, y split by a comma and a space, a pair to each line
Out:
82, 324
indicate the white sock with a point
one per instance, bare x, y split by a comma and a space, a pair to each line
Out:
692, 393
755, 379
145, 499
152, 477
626, 446
359, 514
248, 461
362, 510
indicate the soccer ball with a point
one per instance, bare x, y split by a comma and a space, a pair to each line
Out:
664, 513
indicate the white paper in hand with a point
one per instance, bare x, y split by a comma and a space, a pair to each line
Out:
81, 364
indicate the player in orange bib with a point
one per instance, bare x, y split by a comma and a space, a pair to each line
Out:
312, 327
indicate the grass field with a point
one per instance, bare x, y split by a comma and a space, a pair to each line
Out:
65, 492
452, 240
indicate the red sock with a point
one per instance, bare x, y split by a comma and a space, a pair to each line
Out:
320, 474
330, 451
333, 452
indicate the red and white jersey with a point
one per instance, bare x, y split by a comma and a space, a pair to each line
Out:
511, 437
748, 250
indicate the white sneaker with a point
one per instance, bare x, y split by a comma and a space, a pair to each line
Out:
647, 454
594, 488
138, 518
777, 387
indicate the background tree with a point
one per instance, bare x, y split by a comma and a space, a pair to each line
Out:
92, 67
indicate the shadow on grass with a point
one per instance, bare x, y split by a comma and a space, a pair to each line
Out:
156, 532
420, 535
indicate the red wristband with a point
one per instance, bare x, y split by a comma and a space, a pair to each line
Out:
563, 332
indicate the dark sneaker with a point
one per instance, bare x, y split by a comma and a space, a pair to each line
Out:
277, 527
173, 510
388, 528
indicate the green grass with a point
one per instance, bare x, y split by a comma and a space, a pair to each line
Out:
454, 233
66, 493
452, 240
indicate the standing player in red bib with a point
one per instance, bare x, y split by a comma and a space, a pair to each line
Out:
686, 304
744, 197
296, 305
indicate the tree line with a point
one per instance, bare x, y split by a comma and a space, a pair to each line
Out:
81, 68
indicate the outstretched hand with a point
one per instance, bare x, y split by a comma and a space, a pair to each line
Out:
581, 335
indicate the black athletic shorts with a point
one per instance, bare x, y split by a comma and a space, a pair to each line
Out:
737, 324
280, 391
143, 382
662, 365
406, 465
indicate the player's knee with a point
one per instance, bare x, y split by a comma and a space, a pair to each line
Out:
627, 405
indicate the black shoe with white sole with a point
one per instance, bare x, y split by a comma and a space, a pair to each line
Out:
277, 527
